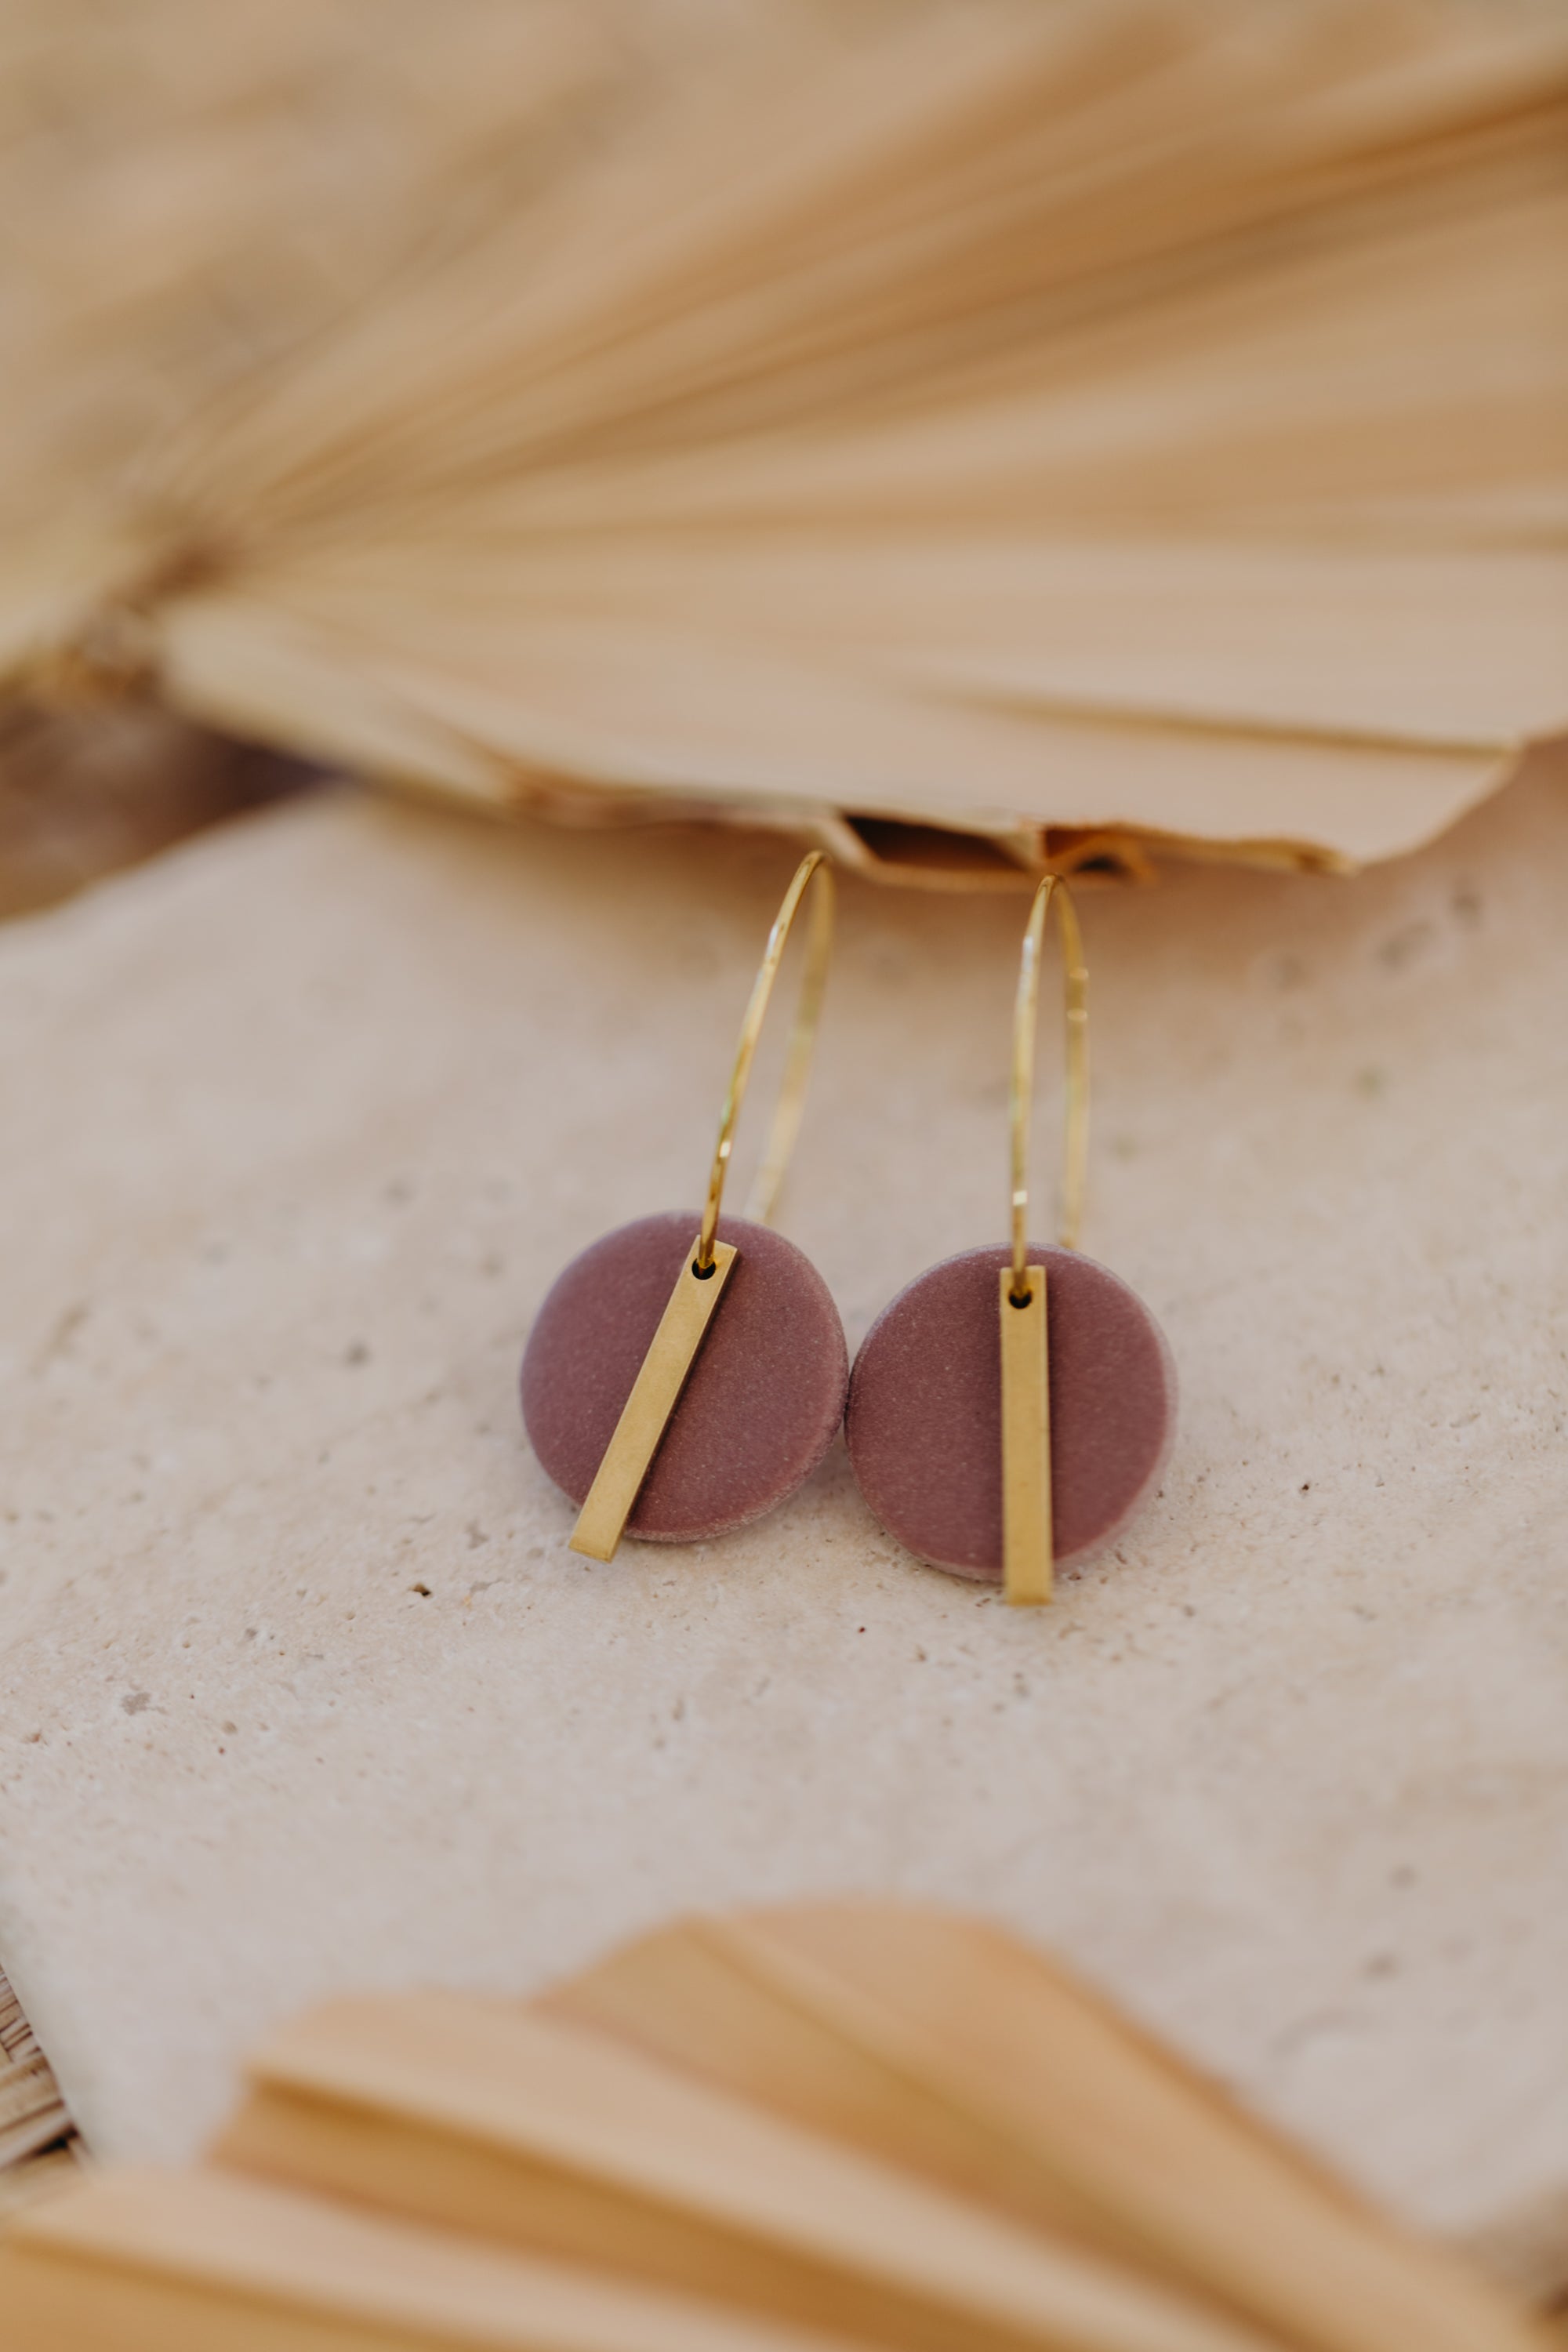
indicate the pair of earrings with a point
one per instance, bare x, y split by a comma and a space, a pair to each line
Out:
1009, 1413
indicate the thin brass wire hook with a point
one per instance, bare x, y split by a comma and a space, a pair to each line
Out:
1075, 1141
797, 1061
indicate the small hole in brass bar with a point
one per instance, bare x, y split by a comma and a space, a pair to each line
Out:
704, 1272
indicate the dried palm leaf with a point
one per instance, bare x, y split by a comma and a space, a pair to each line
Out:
1049, 429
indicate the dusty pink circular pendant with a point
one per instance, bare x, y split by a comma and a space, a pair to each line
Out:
761, 1403
924, 1420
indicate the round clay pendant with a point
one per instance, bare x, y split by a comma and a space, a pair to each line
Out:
761, 1405
924, 1419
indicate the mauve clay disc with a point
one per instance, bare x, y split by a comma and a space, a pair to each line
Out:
761, 1402
924, 1419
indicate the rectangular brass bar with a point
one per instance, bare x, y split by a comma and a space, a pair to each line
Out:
1026, 1562
658, 1383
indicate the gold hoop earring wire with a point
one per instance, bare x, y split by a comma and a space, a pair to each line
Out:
775, 1160
1020, 1101
700, 1282
1028, 1568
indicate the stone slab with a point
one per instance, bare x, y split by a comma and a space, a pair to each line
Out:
301, 1690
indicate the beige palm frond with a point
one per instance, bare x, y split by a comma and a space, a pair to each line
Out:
1035, 429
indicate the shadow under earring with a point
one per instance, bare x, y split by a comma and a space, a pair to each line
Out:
1013, 1409
685, 1375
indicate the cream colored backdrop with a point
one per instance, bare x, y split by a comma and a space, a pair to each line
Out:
300, 1689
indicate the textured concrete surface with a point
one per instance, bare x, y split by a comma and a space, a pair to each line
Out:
299, 1689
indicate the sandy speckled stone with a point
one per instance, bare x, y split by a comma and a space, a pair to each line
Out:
300, 1688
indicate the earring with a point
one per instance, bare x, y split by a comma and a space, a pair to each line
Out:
676, 1386
996, 1435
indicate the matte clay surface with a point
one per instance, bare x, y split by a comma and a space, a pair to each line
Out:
924, 1426
761, 1403
300, 1689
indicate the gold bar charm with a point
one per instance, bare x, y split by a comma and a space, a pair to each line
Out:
645, 1413
1027, 1565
